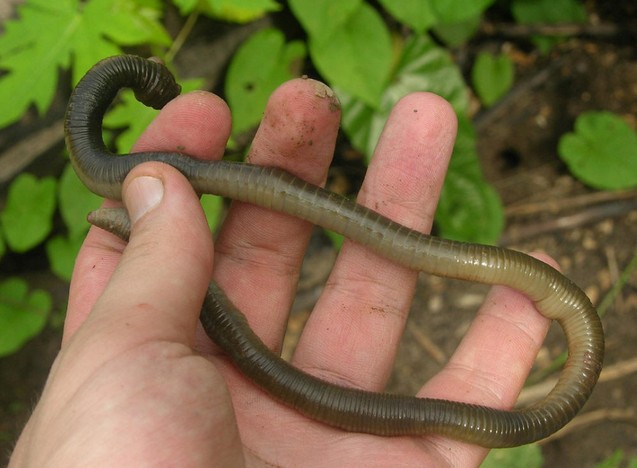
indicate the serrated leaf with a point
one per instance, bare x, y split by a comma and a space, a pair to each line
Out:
492, 77
423, 66
76, 201
470, 209
135, 117
357, 55
321, 17
62, 252
261, 64
22, 314
48, 36
28, 214
602, 152
526, 456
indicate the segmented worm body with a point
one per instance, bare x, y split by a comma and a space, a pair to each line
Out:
554, 295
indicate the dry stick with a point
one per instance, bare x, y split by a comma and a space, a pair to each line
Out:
516, 30
20, 155
587, 216
559, 204
592, 417
610, 373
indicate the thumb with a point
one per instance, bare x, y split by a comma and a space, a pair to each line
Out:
158, 287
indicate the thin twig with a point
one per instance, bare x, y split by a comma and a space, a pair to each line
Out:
609, 373
23, 153
559, 204
582, 218
593, 417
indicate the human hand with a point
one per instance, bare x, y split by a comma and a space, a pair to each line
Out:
138, 382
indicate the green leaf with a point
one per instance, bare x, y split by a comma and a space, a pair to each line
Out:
423, 66
76, 201
469, 209
261, 64
62, 252
356, 56
602, 152
416, 14
320, 18
421, 15
28, 215
238, 11
492, 77
547, 12
456, 34
135, 117
50, 35
22, 315
455, 11
614, 460
526, 456
213, 208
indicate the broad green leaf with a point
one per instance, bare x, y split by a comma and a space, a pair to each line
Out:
456, 34
469, 208
261, 64
547, 12
492, 77
22, 314
357, 55
602, 152
28, 215
62, 252
76, 201
3, 247
454, 11
238, 11
212, 207
320, 18
417, 14
49, 35
423, 66
421, 15
135, 117
526, 456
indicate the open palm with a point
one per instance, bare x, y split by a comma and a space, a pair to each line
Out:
138, 382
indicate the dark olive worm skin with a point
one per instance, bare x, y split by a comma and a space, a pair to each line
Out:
554, 295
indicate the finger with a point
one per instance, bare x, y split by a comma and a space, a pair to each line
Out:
258, 251
353, 333
156, 291
493, 360
197, 123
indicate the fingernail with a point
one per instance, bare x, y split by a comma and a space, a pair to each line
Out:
143, 194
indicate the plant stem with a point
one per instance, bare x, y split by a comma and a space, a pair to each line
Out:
182, 35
